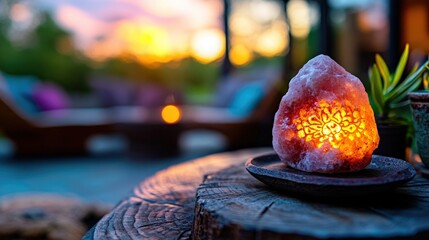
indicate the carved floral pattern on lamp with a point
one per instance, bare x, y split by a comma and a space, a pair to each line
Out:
331, 124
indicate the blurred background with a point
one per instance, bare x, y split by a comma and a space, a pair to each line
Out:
217, 60
178, 46
189, 47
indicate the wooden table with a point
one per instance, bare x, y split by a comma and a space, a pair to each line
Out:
215, 198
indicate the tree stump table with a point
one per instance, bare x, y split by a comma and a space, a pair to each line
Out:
215, 198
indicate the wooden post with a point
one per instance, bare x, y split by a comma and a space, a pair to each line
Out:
226, 64
325, 28
394, 31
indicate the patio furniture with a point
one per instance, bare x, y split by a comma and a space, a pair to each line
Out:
147, 134
251, 129
62, 132
166, 205
245, 122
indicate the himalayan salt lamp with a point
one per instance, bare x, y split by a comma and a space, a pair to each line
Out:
325, 123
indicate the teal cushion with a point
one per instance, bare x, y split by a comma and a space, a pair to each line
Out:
246, 99
20, 89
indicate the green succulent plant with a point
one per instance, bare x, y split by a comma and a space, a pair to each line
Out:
426, 80
388, 90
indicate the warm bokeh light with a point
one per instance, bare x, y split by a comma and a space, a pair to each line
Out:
258, 28
162, 31
240, 55
148, 43
298, 12
104, 49
171, 114
150, 32
242, 26
270, 43
208, 45
264, 11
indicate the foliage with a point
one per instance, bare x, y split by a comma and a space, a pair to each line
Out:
49, 54
42, 56
426, 80
388, 90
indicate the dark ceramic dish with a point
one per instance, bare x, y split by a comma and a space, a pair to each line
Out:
383, 174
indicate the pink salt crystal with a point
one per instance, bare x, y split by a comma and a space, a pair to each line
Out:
325, 123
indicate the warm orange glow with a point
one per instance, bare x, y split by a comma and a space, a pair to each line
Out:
167, 31
208, 45
150, 44
148, 41
333, 125
242, 26
171, 114
240, 55
271, 43
298, 12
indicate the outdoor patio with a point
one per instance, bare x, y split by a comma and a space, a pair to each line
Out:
104, 177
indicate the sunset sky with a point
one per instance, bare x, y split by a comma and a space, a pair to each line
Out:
151, 31
160, 31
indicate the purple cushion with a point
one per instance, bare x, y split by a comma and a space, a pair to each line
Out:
48, 96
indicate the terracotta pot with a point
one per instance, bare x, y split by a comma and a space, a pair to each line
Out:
420, 108
393, 140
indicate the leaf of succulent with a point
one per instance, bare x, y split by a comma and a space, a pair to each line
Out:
400, 68
426, 80
374, 105
384, 71
405, 91
377, 92
413, 70
400, 104
411, 83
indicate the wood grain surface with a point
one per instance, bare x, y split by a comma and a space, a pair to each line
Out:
231, 204
163, 205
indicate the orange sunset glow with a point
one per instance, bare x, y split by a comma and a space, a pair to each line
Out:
151, 33
163, 31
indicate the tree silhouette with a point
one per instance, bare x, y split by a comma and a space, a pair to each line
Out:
49, 55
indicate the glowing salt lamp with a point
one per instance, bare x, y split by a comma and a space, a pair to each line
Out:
171, 114
325, 123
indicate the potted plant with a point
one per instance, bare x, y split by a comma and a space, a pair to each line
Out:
420, 108
388, 98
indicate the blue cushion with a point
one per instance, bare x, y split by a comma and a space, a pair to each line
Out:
246, 99
20, 89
